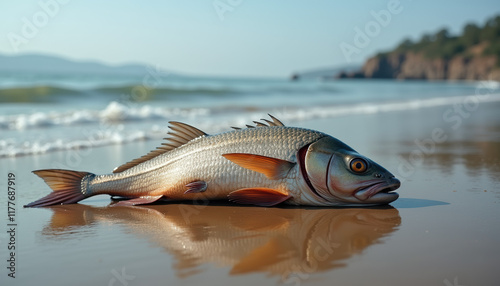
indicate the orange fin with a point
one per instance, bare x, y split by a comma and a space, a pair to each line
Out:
258, 196
139, 201
67, 187
277, 249
196, 187
273, 168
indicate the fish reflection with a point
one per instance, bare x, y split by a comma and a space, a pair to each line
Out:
278, 241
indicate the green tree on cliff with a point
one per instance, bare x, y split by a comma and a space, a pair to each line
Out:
444, 45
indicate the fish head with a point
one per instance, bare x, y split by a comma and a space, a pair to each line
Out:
338, 175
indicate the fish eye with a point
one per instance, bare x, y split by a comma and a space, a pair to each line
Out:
358, 165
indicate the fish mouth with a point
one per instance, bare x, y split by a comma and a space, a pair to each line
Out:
379, 192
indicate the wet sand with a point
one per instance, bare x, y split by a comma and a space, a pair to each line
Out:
443, 230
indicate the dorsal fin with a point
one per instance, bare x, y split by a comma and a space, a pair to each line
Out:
275, 122
180, 134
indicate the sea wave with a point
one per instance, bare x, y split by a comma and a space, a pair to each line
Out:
40, 93
131, 123
130, 89
49, 93
119, 112
114, 112
14, 148
371, 108
55, 93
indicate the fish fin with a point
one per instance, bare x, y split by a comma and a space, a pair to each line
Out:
180, 134
66, 185
263, 257
196, 187
185, 131
260, 124
274, 122
139, 201
69, 218
258, 196
273, 168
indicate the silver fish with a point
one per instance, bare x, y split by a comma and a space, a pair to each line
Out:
264, 165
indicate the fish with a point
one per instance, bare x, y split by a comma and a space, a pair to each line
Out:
265, 164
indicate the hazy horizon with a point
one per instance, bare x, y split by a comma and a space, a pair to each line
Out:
226, 38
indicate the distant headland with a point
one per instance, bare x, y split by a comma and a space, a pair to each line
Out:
473, 55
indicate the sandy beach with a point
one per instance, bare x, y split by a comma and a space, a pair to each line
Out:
443, 230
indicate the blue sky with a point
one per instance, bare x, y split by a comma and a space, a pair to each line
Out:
242, 38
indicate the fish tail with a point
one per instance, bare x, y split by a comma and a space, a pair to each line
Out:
68, 187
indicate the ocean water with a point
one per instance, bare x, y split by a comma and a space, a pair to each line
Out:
44, 113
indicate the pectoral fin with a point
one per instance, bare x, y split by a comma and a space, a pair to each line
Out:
258, 196
139, 201
273, 168
196, 187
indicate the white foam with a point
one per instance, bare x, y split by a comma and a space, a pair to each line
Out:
12, 148
127, 127
360, 109
114, 112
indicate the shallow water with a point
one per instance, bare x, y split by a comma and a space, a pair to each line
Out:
443, 230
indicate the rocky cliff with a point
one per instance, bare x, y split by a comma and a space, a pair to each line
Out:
412, 65
474, 54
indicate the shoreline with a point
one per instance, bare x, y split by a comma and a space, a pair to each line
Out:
95, 128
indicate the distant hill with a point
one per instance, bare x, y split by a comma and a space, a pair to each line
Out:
473, 55
35, 63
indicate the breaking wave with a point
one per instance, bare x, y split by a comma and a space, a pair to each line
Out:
114, 112
47, 93
34, 94
52, 93
118, 112
129, 124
